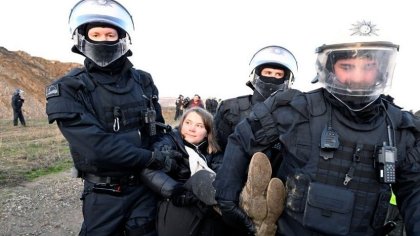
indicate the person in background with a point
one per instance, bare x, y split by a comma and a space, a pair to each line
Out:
17, 103
211, 105
107, 111
344, 146
179, 107
195, 102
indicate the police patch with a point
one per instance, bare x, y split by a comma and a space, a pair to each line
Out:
52, 91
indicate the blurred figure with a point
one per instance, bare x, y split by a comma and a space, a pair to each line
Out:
179, 105
17, 103
211, 105
195, 102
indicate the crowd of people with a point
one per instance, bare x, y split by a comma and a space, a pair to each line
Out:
182, 104
276, 162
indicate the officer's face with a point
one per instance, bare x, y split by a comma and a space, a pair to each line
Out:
274, 73
356, 72
193, 129
103, 34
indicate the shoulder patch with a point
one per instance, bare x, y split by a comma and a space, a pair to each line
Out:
52, 91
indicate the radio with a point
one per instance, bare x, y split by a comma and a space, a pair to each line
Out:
385, 164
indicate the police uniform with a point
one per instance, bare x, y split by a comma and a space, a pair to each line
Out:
230, 112
329, 192
103, 115
17, 103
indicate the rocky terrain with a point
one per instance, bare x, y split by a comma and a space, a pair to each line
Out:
18, 69
49, 206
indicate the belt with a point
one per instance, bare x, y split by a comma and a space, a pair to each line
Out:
121, 180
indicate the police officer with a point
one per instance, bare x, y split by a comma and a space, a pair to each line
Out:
271, 68
344, 146
17, 103
211, 105
107, 112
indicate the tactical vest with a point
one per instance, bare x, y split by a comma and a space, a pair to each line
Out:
118, 109
239, 108
320, 195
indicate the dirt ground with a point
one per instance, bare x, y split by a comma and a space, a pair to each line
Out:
48, 206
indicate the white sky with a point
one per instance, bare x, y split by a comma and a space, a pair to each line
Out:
204, 46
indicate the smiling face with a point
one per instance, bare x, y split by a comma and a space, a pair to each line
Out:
193, 129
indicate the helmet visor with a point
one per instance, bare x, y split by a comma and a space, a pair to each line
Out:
356, 71
102, 53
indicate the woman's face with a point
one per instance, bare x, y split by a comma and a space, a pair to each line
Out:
193, 129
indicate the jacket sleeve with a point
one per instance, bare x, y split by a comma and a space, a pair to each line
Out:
89, 143
222, 126
231, 176
407, 188
159, 182
257, 132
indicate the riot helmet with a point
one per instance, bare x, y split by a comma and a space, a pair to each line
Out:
357, 71
275, 57
101, 13
18, 91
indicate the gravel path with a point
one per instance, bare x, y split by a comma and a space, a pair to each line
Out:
48, 206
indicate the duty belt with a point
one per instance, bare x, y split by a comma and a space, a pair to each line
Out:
120, 180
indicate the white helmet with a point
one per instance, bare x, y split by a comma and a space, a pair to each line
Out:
274, 57
108, 12
379, 57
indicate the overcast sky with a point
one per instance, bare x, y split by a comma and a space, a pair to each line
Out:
204, 46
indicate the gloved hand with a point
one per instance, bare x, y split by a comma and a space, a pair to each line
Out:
165, 160
236, 217
182, 197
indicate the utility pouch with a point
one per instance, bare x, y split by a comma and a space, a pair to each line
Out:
381, 210
328, 209
297, 189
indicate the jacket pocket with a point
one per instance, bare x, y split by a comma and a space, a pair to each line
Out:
328, 209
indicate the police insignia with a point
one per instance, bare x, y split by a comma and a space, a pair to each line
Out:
52, 91
364, 28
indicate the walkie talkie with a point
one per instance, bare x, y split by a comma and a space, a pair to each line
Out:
150, 117
385, 164
329, 142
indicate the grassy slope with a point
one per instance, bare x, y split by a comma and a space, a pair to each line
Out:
39, 149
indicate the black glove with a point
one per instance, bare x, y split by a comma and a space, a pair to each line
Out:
236, 218
165, 160
182, 197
